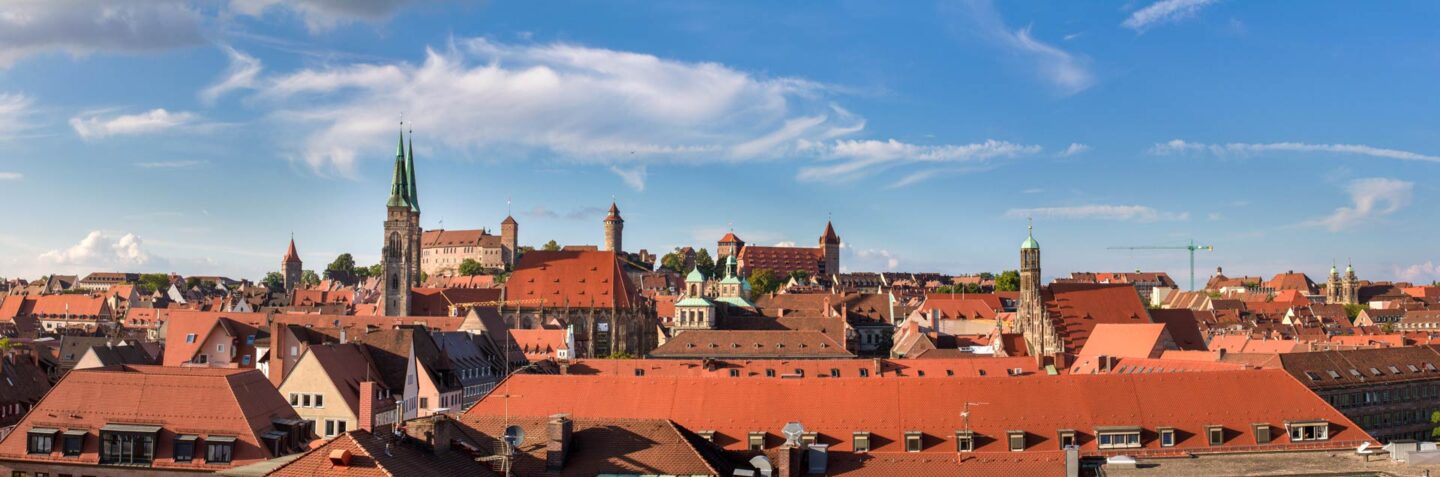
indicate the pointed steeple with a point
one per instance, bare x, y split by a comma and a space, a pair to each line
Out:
290, 255
829, 237
614, 211
399, 190
410, 180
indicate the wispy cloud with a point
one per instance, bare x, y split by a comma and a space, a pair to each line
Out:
99, 126
1164, 11
321, 15
11, 176
1138, 213
1371, 197
184, 164
1420, 273
242, 73
553, 102
30, 27
582, 213
633, 176
1068, 72
16, 114
847, 160
1243, 149
1073, 149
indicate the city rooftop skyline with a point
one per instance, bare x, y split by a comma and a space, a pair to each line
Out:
196, 138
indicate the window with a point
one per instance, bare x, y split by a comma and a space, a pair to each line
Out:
220, 348
709, 436
41, 440
1333, 374
1262, 433
834, 372
250, 340
964, 441
320, 400
424, 403
329, 427
1067, 438
74, 442
1017, 440
864, 373
219, 452
127, 447
639, 372
185, 447
809, 439
294, 399
245, 360
861, 442
304, 400
1167, 437
190, 338
1312, 375
1117, 437
734, 373
1216, 435
913, 441
769, 373
757, 441
1309, 431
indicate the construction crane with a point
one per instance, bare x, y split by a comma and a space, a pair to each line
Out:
1192, 248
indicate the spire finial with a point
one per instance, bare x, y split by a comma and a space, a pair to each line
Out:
1030, 226
507, 205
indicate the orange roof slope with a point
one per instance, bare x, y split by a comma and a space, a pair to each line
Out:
204, 401
751, 344
577, 279
887, 408
781, 260
1139, 340
1077, 307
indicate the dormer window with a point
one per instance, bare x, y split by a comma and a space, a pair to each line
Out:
1308, 431
861, 441
964, 441
1117, 437
219, 449
1016, 440
40, 440
913, 441
757, 441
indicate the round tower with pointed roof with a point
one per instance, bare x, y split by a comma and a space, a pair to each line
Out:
614, 229
292, 267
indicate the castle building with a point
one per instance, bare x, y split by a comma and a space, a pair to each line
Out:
291, 267
614, 229
821, 263
442, 251
401, 254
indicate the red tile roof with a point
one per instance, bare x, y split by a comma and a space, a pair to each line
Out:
981, 306
821, 368
1184, 326
182, 323
290, 255
1077, 307
458, 238
437, 301
747, 344
730, 238
1130, 340
376, 455
829, 236
539, 344
780, 260
887, 408
576, 279
203, 401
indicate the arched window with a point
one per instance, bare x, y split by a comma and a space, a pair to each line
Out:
394, 281
394, 245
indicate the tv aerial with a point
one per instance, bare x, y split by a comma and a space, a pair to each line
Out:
792, 432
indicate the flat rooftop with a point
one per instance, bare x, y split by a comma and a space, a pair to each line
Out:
1326, 463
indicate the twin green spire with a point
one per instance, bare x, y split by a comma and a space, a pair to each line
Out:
402, 187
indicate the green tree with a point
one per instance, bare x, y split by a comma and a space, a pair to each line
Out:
342, 269
551, 246
1435, 419
1008, 280
1353, 311
674, 261
763, 281
619, 355
192, 282
470, 268
799, 275
705, 263
309, 278
6, 344
152, 282
370, 271
987, 276
274, 281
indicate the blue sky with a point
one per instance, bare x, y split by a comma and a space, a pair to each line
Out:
196, 137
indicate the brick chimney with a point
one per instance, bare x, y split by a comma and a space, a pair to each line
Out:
557, 441
789, 461
277, 354
367, 406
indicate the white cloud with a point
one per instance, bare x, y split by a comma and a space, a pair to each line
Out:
101, 251
321, 15
1420, 273
633, 176
784, 243
582, 104
241, 74
183, 164
1164, 11
1243, 149
1067, 72
869, 258
81, 27
583, 213
1073, 149
1371, 197
846, 160
1099, 212
11, 176
15, 114
96, 126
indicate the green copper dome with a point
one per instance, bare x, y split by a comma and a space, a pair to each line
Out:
695, 275
1030, 243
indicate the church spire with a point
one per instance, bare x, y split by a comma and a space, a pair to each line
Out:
399, 190
410, 179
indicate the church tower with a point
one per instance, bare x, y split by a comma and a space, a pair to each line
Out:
1333, 293
509, 241
291, 267
829, 253
1350, 286
400, 256
614, 228
1030, 317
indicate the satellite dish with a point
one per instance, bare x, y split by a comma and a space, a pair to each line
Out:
792, 432
514, 435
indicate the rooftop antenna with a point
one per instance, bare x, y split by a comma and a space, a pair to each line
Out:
507, 205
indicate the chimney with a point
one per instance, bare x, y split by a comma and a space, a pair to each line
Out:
342, 336
879, 367
439, 435
557, 441
367, 406
787, 462
1104, 364
340, 458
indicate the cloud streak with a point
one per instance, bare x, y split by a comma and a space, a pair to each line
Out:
1165, 11
847, 160
1067, 72
15, 114
30, 27
98, 126
1370, 198
1136, 213
322, 15
11, 176
242, 73
1177, 146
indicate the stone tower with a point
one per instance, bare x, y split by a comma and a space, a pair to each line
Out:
1350, 286
400, 256
291, 266
1333, 293
829, 252
1030, 318
509, 241
614, 228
